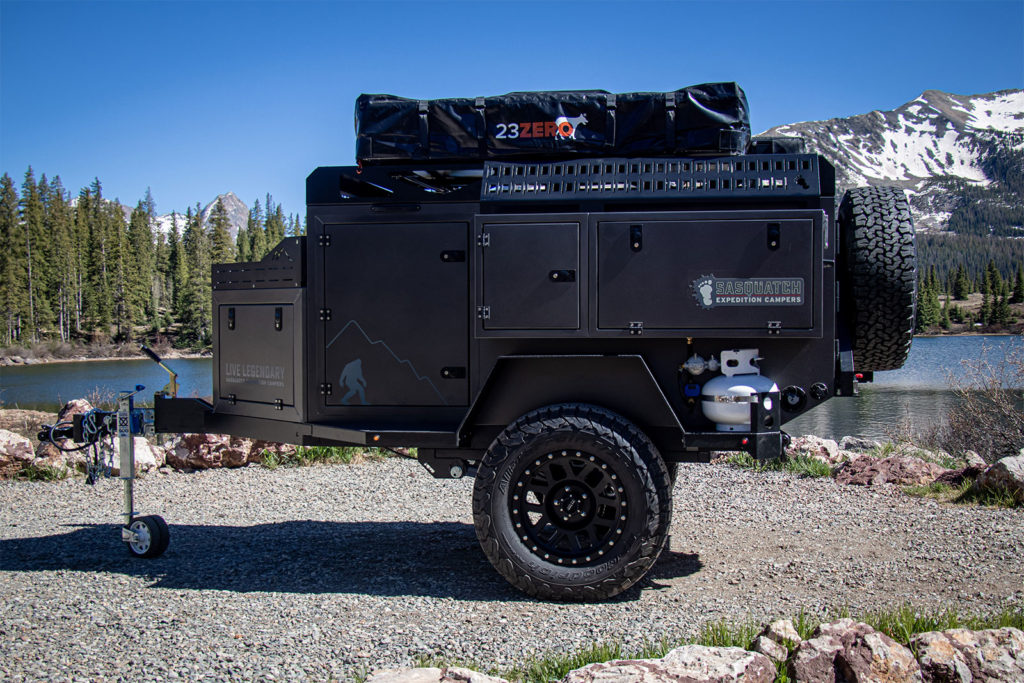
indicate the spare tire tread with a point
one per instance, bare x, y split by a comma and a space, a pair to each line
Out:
878, 285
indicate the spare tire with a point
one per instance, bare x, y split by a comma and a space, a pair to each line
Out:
877, 276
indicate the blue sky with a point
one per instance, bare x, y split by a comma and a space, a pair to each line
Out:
197, 98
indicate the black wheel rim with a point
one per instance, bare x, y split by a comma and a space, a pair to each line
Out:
569, 507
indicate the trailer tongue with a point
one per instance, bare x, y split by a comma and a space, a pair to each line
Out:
566, 314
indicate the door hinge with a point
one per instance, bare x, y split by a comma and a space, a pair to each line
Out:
636, 328
278, 404
774, 326
325, 389
325, 314
324, 240
483, 312
483, 239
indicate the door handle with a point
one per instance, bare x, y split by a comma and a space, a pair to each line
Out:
562, 276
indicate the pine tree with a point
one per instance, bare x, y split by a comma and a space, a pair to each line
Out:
257, 236
99, 288
13, 297
65, 260
1018, 286
961, 285
177, 266
945, 322
242, 245
33, 215
123, 318
928, 311
985, 312
195, 299
140, 260
220, 235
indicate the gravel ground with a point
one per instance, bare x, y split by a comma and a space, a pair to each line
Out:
331, 572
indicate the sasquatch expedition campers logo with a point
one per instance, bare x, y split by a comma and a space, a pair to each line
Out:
711, 291
562, 128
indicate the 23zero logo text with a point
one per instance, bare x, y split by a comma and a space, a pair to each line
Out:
528, 129
562, 128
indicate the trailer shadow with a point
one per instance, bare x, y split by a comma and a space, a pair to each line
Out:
438, 559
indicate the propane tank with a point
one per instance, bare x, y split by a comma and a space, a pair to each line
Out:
726, 399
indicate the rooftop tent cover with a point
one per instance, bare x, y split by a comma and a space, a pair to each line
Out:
709, 119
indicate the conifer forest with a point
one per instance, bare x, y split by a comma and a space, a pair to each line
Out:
78, 267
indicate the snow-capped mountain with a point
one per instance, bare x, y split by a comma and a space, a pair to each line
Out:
238, 215
933, 147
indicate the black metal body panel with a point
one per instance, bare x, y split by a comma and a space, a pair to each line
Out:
434, 314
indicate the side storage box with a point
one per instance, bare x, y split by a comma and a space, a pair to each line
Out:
258, 319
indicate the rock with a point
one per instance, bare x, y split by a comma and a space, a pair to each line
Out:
432, 675
995, 655
858, 444
815, 660
691, 663
959, 475
147, 456
770, 649
207, 451
782, 632
808, 446
940, 661
55, 457
851, 651
972, 459
1005, 476
895, 469
703, 663
877, 657
259, 448
15, 453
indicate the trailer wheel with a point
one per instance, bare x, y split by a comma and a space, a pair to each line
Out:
572, 502
878, 276
153, 536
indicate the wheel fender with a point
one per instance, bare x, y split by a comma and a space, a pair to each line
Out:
518, 384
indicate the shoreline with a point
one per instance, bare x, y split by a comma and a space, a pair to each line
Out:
5, 361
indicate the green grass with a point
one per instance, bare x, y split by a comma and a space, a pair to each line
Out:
305, 456
900, 623
965, 494
33, 472
801, 465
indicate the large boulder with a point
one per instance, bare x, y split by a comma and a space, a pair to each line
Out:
147, 456
207, 451
808, 446
452, 674
15, 453
853, 652
896, 469
692, 663
940, 660
1005, 476
782, 632
49, 454
995, 655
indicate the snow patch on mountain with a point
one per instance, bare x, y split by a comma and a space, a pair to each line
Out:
924, 146
238, 215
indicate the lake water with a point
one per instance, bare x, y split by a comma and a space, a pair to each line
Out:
918, 393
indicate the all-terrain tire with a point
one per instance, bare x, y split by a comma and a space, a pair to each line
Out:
572, 502
878, 276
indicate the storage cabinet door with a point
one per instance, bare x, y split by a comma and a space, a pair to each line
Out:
397, 326
713, 274
531, 276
